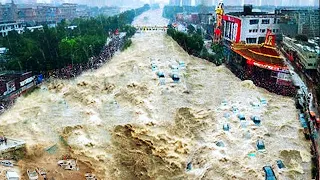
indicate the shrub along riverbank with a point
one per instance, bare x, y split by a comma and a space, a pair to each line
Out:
193, 44
54, 48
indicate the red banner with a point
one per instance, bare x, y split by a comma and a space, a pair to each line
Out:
236, 21
270, 39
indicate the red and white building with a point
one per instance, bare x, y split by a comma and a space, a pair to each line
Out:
249, 38
249, 27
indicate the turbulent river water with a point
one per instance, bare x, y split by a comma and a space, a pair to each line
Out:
121, 123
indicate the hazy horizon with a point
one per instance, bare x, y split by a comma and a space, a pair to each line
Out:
138, 2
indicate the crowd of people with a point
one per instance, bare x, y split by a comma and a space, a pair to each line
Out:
262, 78
93, 63
109, 49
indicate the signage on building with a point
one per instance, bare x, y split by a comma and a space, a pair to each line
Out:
26, 81
232, 29
270, 38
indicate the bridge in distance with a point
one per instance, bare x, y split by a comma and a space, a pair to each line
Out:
151, 28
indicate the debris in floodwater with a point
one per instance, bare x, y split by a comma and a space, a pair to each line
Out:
52, 149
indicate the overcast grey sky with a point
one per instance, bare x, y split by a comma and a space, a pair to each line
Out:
227, 2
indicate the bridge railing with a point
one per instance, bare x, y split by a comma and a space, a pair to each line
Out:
151, 28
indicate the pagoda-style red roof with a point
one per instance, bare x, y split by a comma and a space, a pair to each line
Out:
260, 55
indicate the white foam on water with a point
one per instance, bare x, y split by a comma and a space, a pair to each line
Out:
124, 125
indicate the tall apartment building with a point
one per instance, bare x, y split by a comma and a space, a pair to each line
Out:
174, 2
186, 2
305, 21
8, 12
205, 2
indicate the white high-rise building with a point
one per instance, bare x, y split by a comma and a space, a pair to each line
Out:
174, 2
186, 2
204, 2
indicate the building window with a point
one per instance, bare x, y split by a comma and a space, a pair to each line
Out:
310, 64
254, 21
262, 30
261, 40
250, 30
256, 30
251, 40
265, 21
277, 30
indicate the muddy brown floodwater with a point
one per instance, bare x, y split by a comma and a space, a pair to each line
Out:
120, 123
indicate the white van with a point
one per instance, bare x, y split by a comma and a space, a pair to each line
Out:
12, 175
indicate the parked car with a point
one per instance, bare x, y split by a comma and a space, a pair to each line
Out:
241, 117
312, 115
280, 164
182, 64
69, 164
32, 174
90, 176
41, 171
12, 175
175, 77
160, 74
6, 163
269, 173
226, 127
154, 67
263, 101
235, 109
256, 120
260, 145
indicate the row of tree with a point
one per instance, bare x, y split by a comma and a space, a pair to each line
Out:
193, 43
54, 48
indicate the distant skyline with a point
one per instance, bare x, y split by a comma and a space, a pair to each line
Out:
135, 2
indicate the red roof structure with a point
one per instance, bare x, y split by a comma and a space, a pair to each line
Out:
262, 55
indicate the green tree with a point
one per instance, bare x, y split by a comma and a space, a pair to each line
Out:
301, 37
191, 29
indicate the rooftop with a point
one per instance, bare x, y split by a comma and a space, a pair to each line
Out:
248, 11
311, 46
260, 54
